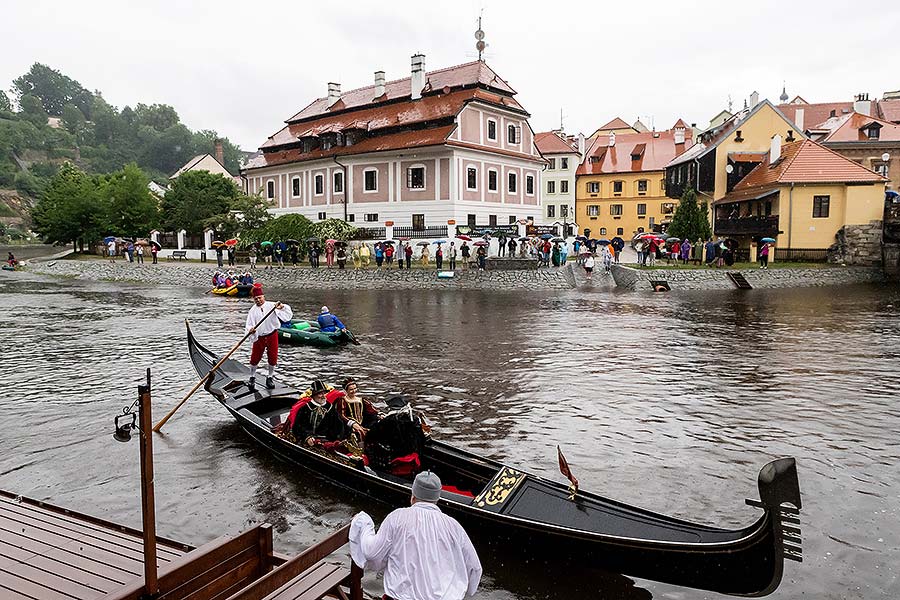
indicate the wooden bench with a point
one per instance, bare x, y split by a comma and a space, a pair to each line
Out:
178, 254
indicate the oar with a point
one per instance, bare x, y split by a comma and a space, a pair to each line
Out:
352, 337
162, 421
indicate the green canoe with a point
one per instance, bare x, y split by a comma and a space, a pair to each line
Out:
306, 332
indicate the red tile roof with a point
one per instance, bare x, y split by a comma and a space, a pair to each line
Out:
659, 149
394, 141
890, 110
680, 123
802, 162
382, 116
850, 129
548, 142
469, 74
616, 123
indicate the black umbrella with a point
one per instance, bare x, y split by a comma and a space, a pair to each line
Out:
524, 239
292, 242
557, 240
422, 244
312, 239
157, 244
617, 243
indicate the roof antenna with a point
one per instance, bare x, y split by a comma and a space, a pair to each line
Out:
729, 102
479, 35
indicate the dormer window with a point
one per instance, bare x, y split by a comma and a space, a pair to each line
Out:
874, 131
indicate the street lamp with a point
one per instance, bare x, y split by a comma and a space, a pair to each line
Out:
141, 421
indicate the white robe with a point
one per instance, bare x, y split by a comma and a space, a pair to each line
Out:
272, 323
425, 554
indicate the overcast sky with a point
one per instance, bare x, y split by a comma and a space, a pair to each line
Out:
241, 68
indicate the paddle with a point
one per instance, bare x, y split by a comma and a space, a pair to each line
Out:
162, 421
351, 337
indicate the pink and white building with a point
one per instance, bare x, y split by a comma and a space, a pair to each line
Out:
437, 147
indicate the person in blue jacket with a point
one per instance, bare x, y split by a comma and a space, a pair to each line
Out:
329, 322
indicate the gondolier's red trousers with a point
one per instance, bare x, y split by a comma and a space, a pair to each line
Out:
269, 343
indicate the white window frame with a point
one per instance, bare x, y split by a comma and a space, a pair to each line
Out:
529, 178
517, 134
474, 168
296, 178
373, 170
564, 163
512, 177
552, 165
593, 210
496, 189
593, 187
551, 211
318, 177
321, 213
270, 195
551, 187
564, 186
334, 181
367, 220
424, 177
487, 133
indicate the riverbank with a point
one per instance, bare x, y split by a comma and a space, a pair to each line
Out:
187, 274
714, 279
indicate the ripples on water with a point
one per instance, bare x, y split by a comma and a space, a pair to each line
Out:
670, 402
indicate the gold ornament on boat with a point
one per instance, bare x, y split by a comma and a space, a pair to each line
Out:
504, 484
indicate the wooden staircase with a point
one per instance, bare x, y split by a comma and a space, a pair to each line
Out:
739, 281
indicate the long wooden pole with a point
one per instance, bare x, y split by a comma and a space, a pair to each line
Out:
203, 379
148, 502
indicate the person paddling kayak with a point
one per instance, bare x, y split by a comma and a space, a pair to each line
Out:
330, 322
264, 333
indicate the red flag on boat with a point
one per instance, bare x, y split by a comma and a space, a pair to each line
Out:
565, 470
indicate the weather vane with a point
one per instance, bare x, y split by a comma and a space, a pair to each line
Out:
479, 35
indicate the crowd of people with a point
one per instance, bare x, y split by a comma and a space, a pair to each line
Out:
131, 251
226, 279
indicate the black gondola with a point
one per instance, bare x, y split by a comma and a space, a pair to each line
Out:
539, 513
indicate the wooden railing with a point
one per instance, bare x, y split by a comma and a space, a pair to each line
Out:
421, 233
758, 226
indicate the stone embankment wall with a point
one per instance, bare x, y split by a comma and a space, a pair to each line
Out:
199, 275
709, 279
858, 245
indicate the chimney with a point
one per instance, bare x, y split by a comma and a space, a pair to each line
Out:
775, 150
679, 135
417, 81
612, 139
863, 105
334, 93
581, 144
379, 84
798, 118
220, 152
754, 99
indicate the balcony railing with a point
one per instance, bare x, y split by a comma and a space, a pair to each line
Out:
368, 233
421, 233
756, 226
801, 254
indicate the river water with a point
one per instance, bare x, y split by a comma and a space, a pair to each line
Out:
669, 402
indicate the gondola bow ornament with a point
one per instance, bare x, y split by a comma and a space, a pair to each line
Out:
565, 470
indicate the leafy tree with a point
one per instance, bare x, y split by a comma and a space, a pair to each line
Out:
195, 197
158, 116
33, 110
690, 221
4, 102
70, 209
131, 208
333, 228
53, 89
73, 120
245, 214
285, 227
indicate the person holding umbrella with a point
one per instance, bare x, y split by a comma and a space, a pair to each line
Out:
425, 255
465, 253
408, 252
481, 255
154, 250
453, 256
764, 253
329, 253
263, 322
439, 257
219, 257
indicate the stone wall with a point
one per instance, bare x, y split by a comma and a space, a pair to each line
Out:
858, 245
709, 279
199, 275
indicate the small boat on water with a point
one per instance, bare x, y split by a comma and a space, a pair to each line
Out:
238, 290
308, 332
527, 511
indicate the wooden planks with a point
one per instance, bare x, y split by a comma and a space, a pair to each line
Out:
47, 553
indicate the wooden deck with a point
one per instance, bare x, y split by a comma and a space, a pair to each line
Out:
48, 553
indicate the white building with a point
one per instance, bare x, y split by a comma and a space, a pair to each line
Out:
436, 149
563, 154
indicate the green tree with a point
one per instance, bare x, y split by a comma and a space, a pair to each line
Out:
245, 214
195, 197
33, 111
70, 209
690, 221
52, 88
74, 121
158, 116
131, 208
285, 227
4, 102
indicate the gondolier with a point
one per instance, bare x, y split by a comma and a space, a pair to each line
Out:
425, 554
264, 333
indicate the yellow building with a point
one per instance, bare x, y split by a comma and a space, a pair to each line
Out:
620, 187
617, 126
800, 194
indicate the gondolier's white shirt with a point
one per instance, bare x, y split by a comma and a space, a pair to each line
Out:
272, 323
425, 554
